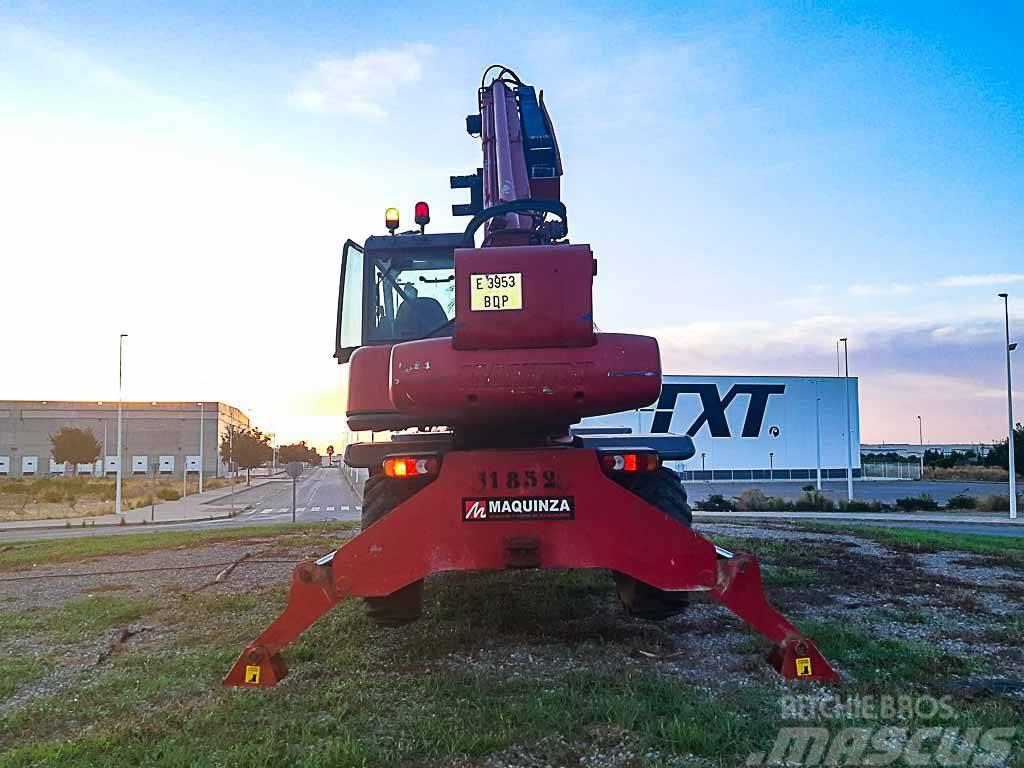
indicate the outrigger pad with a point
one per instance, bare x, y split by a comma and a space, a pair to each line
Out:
255, 668
798, 659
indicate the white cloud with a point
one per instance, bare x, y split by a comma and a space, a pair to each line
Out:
364, 85
888, 289
975, 281
876, 290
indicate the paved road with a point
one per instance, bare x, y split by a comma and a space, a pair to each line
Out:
321, 494
868, 490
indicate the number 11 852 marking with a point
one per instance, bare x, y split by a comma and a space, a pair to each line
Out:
528, 478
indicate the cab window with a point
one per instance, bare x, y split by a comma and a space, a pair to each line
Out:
414, 296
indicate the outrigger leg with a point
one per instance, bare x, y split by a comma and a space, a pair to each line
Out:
606, 527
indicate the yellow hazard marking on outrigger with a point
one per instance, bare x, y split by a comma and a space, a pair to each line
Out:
252, 675
803, 667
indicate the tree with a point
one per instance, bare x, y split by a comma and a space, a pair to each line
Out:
78, 446
247, 448
1000, 457
298, 452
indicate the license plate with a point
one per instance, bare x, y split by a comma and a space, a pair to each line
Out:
496, 291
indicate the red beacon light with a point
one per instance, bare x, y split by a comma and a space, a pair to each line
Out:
422, 215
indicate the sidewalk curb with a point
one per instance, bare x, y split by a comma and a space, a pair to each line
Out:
140, 524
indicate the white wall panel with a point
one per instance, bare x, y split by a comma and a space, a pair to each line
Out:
753, 422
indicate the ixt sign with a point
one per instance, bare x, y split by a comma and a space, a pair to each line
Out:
714, 405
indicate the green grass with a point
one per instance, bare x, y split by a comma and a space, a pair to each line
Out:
878, 661
794, 577
359, 696
75, 619
916, 540
74, 548
18, 671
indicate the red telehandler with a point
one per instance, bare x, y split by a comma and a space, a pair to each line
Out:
479, 359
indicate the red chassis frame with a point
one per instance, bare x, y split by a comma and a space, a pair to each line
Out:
611, 529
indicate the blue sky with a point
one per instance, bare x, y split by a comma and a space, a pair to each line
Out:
755, 179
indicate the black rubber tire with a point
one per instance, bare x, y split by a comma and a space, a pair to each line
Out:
381, 494
662, 489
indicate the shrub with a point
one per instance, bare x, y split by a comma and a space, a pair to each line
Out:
808, 488
963, 501
53, 495
917, 503
752, 500
814, 501
863, 506
169, 494
998, 502
716, 502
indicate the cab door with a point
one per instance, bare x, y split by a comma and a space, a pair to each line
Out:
349, 330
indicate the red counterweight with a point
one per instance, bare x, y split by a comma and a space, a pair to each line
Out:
434, 383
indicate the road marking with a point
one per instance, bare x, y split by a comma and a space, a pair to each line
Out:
265, 511
345, 509
300, 509
359, 509
283, 509
330, 509
314, 509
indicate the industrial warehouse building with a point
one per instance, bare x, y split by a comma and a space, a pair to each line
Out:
160, 437
755, 427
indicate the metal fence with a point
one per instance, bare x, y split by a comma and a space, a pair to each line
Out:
891, 470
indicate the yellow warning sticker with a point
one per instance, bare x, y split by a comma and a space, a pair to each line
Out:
803, 667
252, 675
496, 291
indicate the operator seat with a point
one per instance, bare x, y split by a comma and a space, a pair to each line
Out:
419, 316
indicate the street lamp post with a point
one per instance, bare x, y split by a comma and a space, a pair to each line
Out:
120, 377
202, 413
920, 437
849, 437
1009, 409
817, 428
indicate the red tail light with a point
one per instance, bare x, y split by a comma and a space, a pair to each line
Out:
411, 466
629, 461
